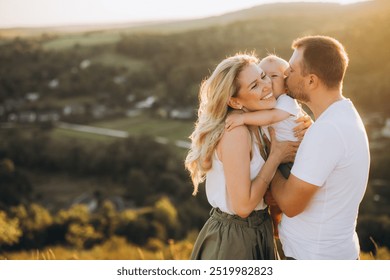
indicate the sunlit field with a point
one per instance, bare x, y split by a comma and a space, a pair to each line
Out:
119, 249
114, 249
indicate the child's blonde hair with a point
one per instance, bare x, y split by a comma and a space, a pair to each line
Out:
214, 95
273, 58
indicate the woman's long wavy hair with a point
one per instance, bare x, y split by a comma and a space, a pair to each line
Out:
214, 96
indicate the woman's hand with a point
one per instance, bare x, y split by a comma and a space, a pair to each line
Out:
283, 151
304, 123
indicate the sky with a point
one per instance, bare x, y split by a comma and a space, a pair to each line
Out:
39, 13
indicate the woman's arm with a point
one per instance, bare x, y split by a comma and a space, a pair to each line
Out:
235, 153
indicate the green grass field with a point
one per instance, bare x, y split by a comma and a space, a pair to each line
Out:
59, 134
114, 59
144, 125
82, 39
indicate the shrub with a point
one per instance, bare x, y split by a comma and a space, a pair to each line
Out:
107, 219
34, 221
76, 214
10, 231
82, 235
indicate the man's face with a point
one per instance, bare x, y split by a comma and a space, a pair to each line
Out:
295, 82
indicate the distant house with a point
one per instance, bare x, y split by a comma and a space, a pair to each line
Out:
119, 80
50, 116
94, 201
73, 109
33, 116
27, 117
182, 113
85, 64
32, 96
147, 103
133, 112
54, 83
386, 129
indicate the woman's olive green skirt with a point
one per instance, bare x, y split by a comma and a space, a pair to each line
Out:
230, 237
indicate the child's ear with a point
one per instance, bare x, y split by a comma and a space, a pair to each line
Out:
234, 103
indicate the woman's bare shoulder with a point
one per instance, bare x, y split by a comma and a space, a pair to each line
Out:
236, 143
239, 135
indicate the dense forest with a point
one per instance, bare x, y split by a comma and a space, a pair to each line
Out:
45, 79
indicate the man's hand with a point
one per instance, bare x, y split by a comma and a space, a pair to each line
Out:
304, 123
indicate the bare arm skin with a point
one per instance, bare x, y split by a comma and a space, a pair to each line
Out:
292, 195
257, 118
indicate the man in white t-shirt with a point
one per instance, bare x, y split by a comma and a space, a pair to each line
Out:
320, 200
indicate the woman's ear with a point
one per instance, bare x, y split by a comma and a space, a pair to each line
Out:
234, 103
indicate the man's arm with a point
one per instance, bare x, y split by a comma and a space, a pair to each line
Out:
292, 195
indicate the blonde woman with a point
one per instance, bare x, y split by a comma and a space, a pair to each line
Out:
233, 163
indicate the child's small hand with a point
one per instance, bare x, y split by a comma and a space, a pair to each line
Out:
234, 120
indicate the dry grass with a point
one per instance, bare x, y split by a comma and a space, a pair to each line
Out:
382, 253
116, 248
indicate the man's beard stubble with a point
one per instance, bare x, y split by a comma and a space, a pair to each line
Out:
298, 92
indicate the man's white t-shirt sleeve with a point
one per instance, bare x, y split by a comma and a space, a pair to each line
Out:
320, 151
288, 104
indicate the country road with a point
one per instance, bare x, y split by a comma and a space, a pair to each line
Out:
115, 133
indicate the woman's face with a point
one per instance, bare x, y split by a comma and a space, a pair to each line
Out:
255, 89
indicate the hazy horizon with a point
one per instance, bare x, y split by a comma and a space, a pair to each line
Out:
56, 13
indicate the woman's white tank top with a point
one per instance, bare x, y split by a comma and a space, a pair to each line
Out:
216, 185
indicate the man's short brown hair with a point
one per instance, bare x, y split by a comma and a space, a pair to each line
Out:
325, 57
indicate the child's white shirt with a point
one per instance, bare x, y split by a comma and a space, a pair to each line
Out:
284, 129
